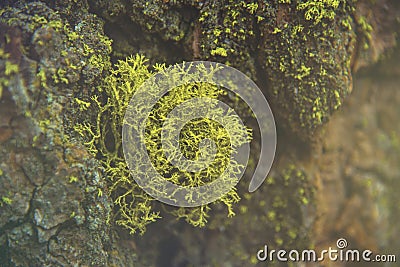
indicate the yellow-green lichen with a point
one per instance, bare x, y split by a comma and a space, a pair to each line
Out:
231, 29
5, 201
219, 51
365, 31
9, 70
135, 209
317, 10
73, 179
308, 60
291, 190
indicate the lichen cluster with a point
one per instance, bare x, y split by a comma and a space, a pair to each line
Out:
288, 230
134, 207
306, 57
229, 33
49, 194
60, 45
279, 214
8, 68
299, 50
